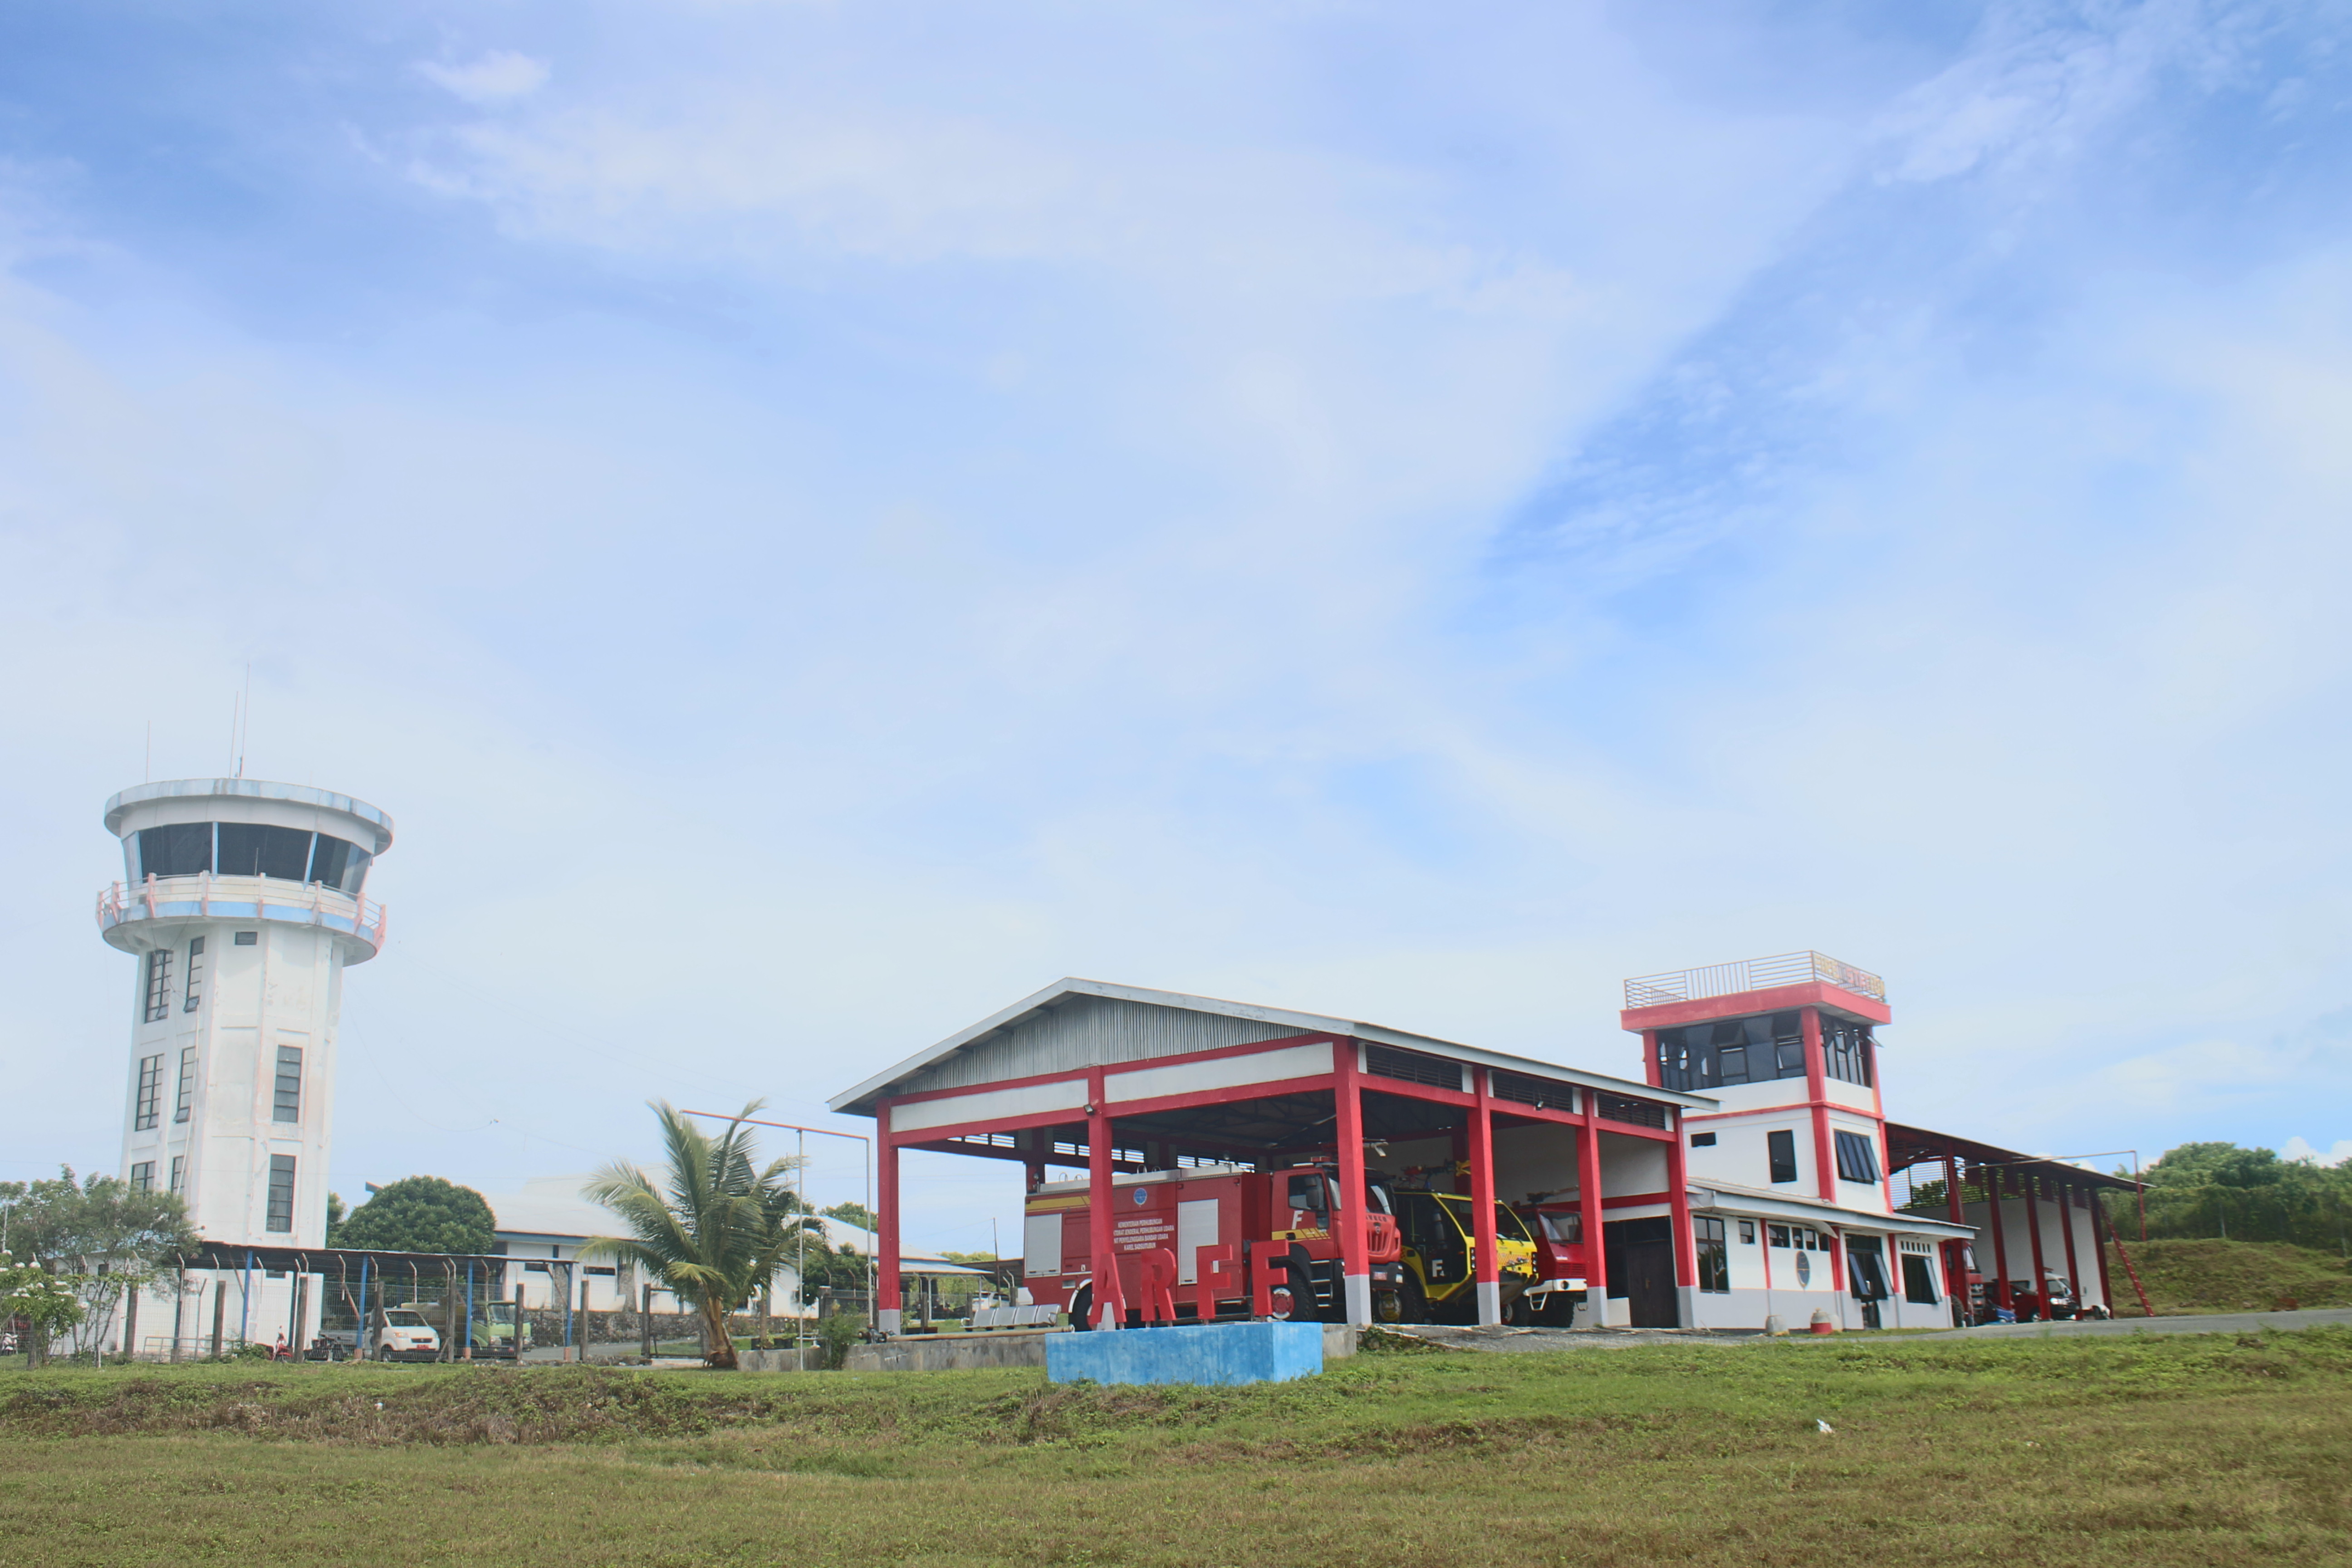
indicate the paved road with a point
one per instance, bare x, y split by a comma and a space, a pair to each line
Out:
2204, 1323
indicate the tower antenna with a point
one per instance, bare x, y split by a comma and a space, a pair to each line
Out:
247, 734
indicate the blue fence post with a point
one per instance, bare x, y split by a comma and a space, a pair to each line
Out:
469, 1309
359, 1313
569, 1354
245, 1307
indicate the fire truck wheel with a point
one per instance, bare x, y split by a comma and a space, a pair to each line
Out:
1411, 1300
1082, 1308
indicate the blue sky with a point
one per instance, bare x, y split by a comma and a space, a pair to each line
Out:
818, 519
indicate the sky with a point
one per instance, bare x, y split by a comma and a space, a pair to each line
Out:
818, 518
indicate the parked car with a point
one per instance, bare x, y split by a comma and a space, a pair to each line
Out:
402, 1333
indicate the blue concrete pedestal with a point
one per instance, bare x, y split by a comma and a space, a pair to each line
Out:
1200, 1353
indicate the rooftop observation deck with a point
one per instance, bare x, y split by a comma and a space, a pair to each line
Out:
1751, 975
208, 896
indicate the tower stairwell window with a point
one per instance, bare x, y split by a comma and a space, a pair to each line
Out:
288, 1104
1857, 1157
150, 1093
281, 1193
1781, 1149
179, 1175
143, 1176
192, 991
186, 1103
159, 984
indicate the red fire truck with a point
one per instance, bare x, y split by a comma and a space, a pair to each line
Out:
1215, 1241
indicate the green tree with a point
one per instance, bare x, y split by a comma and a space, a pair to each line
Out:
714, 1230
421, 1214
858, 1215
335, 1212
98, 1235
2212, 1189
45, 1301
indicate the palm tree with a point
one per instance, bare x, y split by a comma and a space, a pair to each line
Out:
716, 1235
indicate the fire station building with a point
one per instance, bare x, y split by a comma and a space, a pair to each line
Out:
1748, 1173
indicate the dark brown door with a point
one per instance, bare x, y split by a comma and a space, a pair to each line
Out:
1642, 1271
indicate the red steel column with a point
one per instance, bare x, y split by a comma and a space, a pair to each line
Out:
1650, 1059
1955, 1273
886, 1221
2066, 1230
1587, 1188
2033, 1234
1679, 1217
1992, 1185
1355, 1240
1489, 1273
1108, 1296
1817, 1090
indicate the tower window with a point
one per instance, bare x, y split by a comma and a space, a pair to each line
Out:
1702, 1140
281, 1193
1857, 1157
1714, 1258
150, 1093
1846, 1050
338, 865
1781, 1148
195, 976
179, 1175
182, 849
159, 984
1700, 1057
186, 1103
289, 1103
248, 938
256, 849
143, 1176
1747, 1233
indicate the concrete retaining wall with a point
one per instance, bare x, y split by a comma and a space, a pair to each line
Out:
956, 1352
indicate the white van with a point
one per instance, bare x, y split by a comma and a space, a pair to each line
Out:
401, 1333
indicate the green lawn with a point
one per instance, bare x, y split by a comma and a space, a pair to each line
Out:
2089, 1452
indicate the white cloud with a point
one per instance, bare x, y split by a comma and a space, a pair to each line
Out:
500, 76
2297, 1149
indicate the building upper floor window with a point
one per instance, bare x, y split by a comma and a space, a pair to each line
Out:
186, 1103
1857, 1157
149, 1108
1780, 1147
143, 1176
1700, 1057
192, 993
159, 984
288, 1104
1845, 1050
281, 1193
249, 939
1797, 1236
179, 1175
248, 849
1702, 1140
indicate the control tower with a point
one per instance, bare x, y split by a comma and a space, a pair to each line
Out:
242, 902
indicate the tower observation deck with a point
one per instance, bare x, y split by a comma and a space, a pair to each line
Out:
243, 902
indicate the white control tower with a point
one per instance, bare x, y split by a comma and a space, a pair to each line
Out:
242, 902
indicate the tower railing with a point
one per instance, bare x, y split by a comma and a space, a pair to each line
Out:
205, 896
1751, 975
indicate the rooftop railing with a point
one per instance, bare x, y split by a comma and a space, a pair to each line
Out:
205, 896
1751, 975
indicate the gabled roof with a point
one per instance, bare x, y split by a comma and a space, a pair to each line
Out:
1254, 1022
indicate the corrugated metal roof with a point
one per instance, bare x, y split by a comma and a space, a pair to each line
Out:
1078, 1023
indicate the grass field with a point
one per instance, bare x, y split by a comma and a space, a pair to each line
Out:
2090, 1452
2230, 1277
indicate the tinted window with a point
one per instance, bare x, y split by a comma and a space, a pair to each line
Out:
338, 865
255, 849
183, 850
1782, 1148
